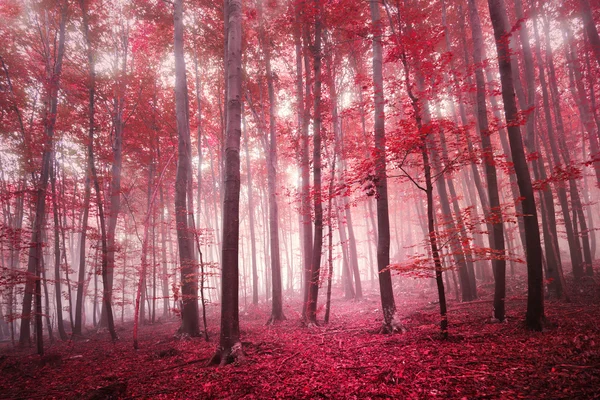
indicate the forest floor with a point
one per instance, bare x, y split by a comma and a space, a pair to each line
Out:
344, 359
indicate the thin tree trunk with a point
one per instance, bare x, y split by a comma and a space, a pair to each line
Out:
47, 302
165, 270
349, 293
116, 167
92, 90
330, 235
33, 284
57, 280
555, 274
275, 261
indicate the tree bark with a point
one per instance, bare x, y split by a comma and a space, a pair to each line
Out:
535, 299
495, 211
106, 296
383, 219
230, 347
305, 209
590, 28
275, 261
189, 278
57, 280
311, 312
33, 284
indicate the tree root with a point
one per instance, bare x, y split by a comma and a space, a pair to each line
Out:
274, 319
224, 356
393, 327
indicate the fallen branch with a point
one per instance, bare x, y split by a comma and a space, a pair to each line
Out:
577, 366
361, 367
468, 303
185, 364
286, 359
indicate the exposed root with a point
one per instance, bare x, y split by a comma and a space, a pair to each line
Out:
393, 327
312, 324
223, 356
274, 319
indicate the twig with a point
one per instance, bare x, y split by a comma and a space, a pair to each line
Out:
361, 367
467, 303
286, 359
185, 364
577, 366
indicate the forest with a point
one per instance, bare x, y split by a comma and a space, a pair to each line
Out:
299, 199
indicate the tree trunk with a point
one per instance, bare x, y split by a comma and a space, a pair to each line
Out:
230, 347
275, 261
92, 90
189, 278
535, 298
57, 281
311, 312
251, 216
307, 232
330, 236
349, 293
590, 28
33, 284
555, 274
115, 183
383, 219
495, 212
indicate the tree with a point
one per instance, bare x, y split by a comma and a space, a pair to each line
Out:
494, 214
106, 297
189, 277
230, 346
313, 283
277, 310
386, 290
535, 296
53, 70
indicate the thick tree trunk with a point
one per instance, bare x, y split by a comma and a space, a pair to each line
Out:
230, 347
535, 295
311, 312
189, 278
383, 219
495, 212
590, 28
305, 209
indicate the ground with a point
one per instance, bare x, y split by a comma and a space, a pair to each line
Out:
344, 359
